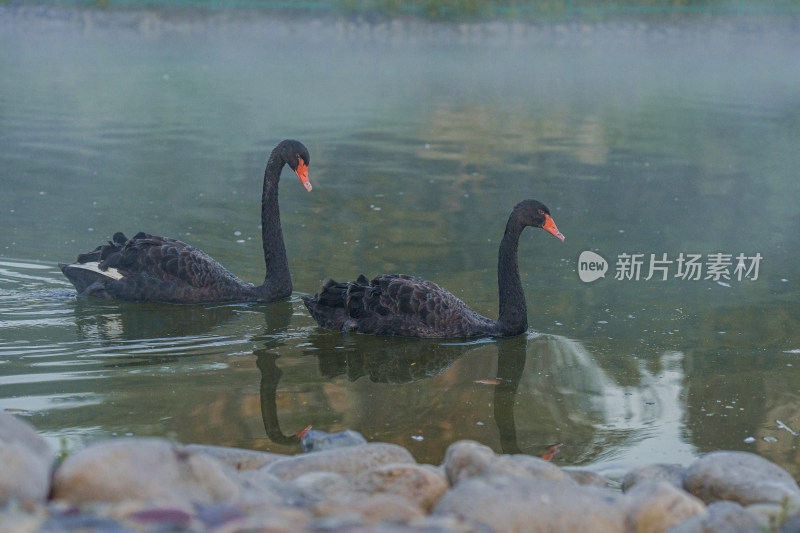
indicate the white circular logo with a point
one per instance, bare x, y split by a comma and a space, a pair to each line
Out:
591, 266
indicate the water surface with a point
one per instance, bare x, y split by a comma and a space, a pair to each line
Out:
673, 139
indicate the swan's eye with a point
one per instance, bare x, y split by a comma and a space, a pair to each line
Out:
541, 212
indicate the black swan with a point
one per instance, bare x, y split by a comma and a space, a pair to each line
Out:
407, 306
157, 269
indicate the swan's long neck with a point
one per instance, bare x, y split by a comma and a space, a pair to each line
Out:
513, 316
278, 280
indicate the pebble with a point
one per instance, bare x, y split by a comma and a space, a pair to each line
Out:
25, 461
146, 485
742, 477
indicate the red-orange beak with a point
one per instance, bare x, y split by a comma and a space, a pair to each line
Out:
550, 227
302, 173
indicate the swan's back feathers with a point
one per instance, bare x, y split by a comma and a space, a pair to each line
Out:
152, 268
395, 304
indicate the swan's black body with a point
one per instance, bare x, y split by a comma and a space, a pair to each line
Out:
406, 306
152, 268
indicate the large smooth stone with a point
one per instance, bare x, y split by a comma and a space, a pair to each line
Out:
25, 462
467, 459
741, 477
152, 470
670, 473
349, 462
321, 486
236, 458
421, 484
656, 506
373, 509
532, 505
722, 517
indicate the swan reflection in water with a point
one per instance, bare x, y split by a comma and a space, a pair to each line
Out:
549, 389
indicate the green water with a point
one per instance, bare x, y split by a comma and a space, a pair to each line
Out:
669, 140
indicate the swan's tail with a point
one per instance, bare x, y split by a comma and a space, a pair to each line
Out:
92, 270
335, 304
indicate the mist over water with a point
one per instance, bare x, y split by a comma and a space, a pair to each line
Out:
642, 138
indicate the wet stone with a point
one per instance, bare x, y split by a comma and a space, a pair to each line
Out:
771, 516
349, 461
655, 506
514, 503
236, 458
722, 517
421, 484
150, 470
262, 488
538, 467
741, 477
318, 486
373, 509
25, 462
585, 477
466, 459
670, 473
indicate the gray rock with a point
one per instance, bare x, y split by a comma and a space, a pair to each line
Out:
538, 467
656, 472
656, 506
150, 470
467, 459
791, 525
236, 458
421, 484
722, 517
25, 462
741, 477
261, 487
586, 477
374, 509
260, 519
322, 485
514, 503
348, 462
772, 516
338, 522
16, 521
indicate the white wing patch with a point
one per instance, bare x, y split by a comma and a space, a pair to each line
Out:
112, 273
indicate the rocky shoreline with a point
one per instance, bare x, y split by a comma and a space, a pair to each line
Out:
155, 485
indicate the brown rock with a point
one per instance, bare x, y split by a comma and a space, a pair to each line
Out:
374, 509
323, 485
25, 462
350, 461
236, 458
722, 517
586, 477
656, 506
741, 477
467, 459
532, 505
421, 484
152, 470
656, 472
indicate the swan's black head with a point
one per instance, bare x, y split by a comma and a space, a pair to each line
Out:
535, 213
295, 154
